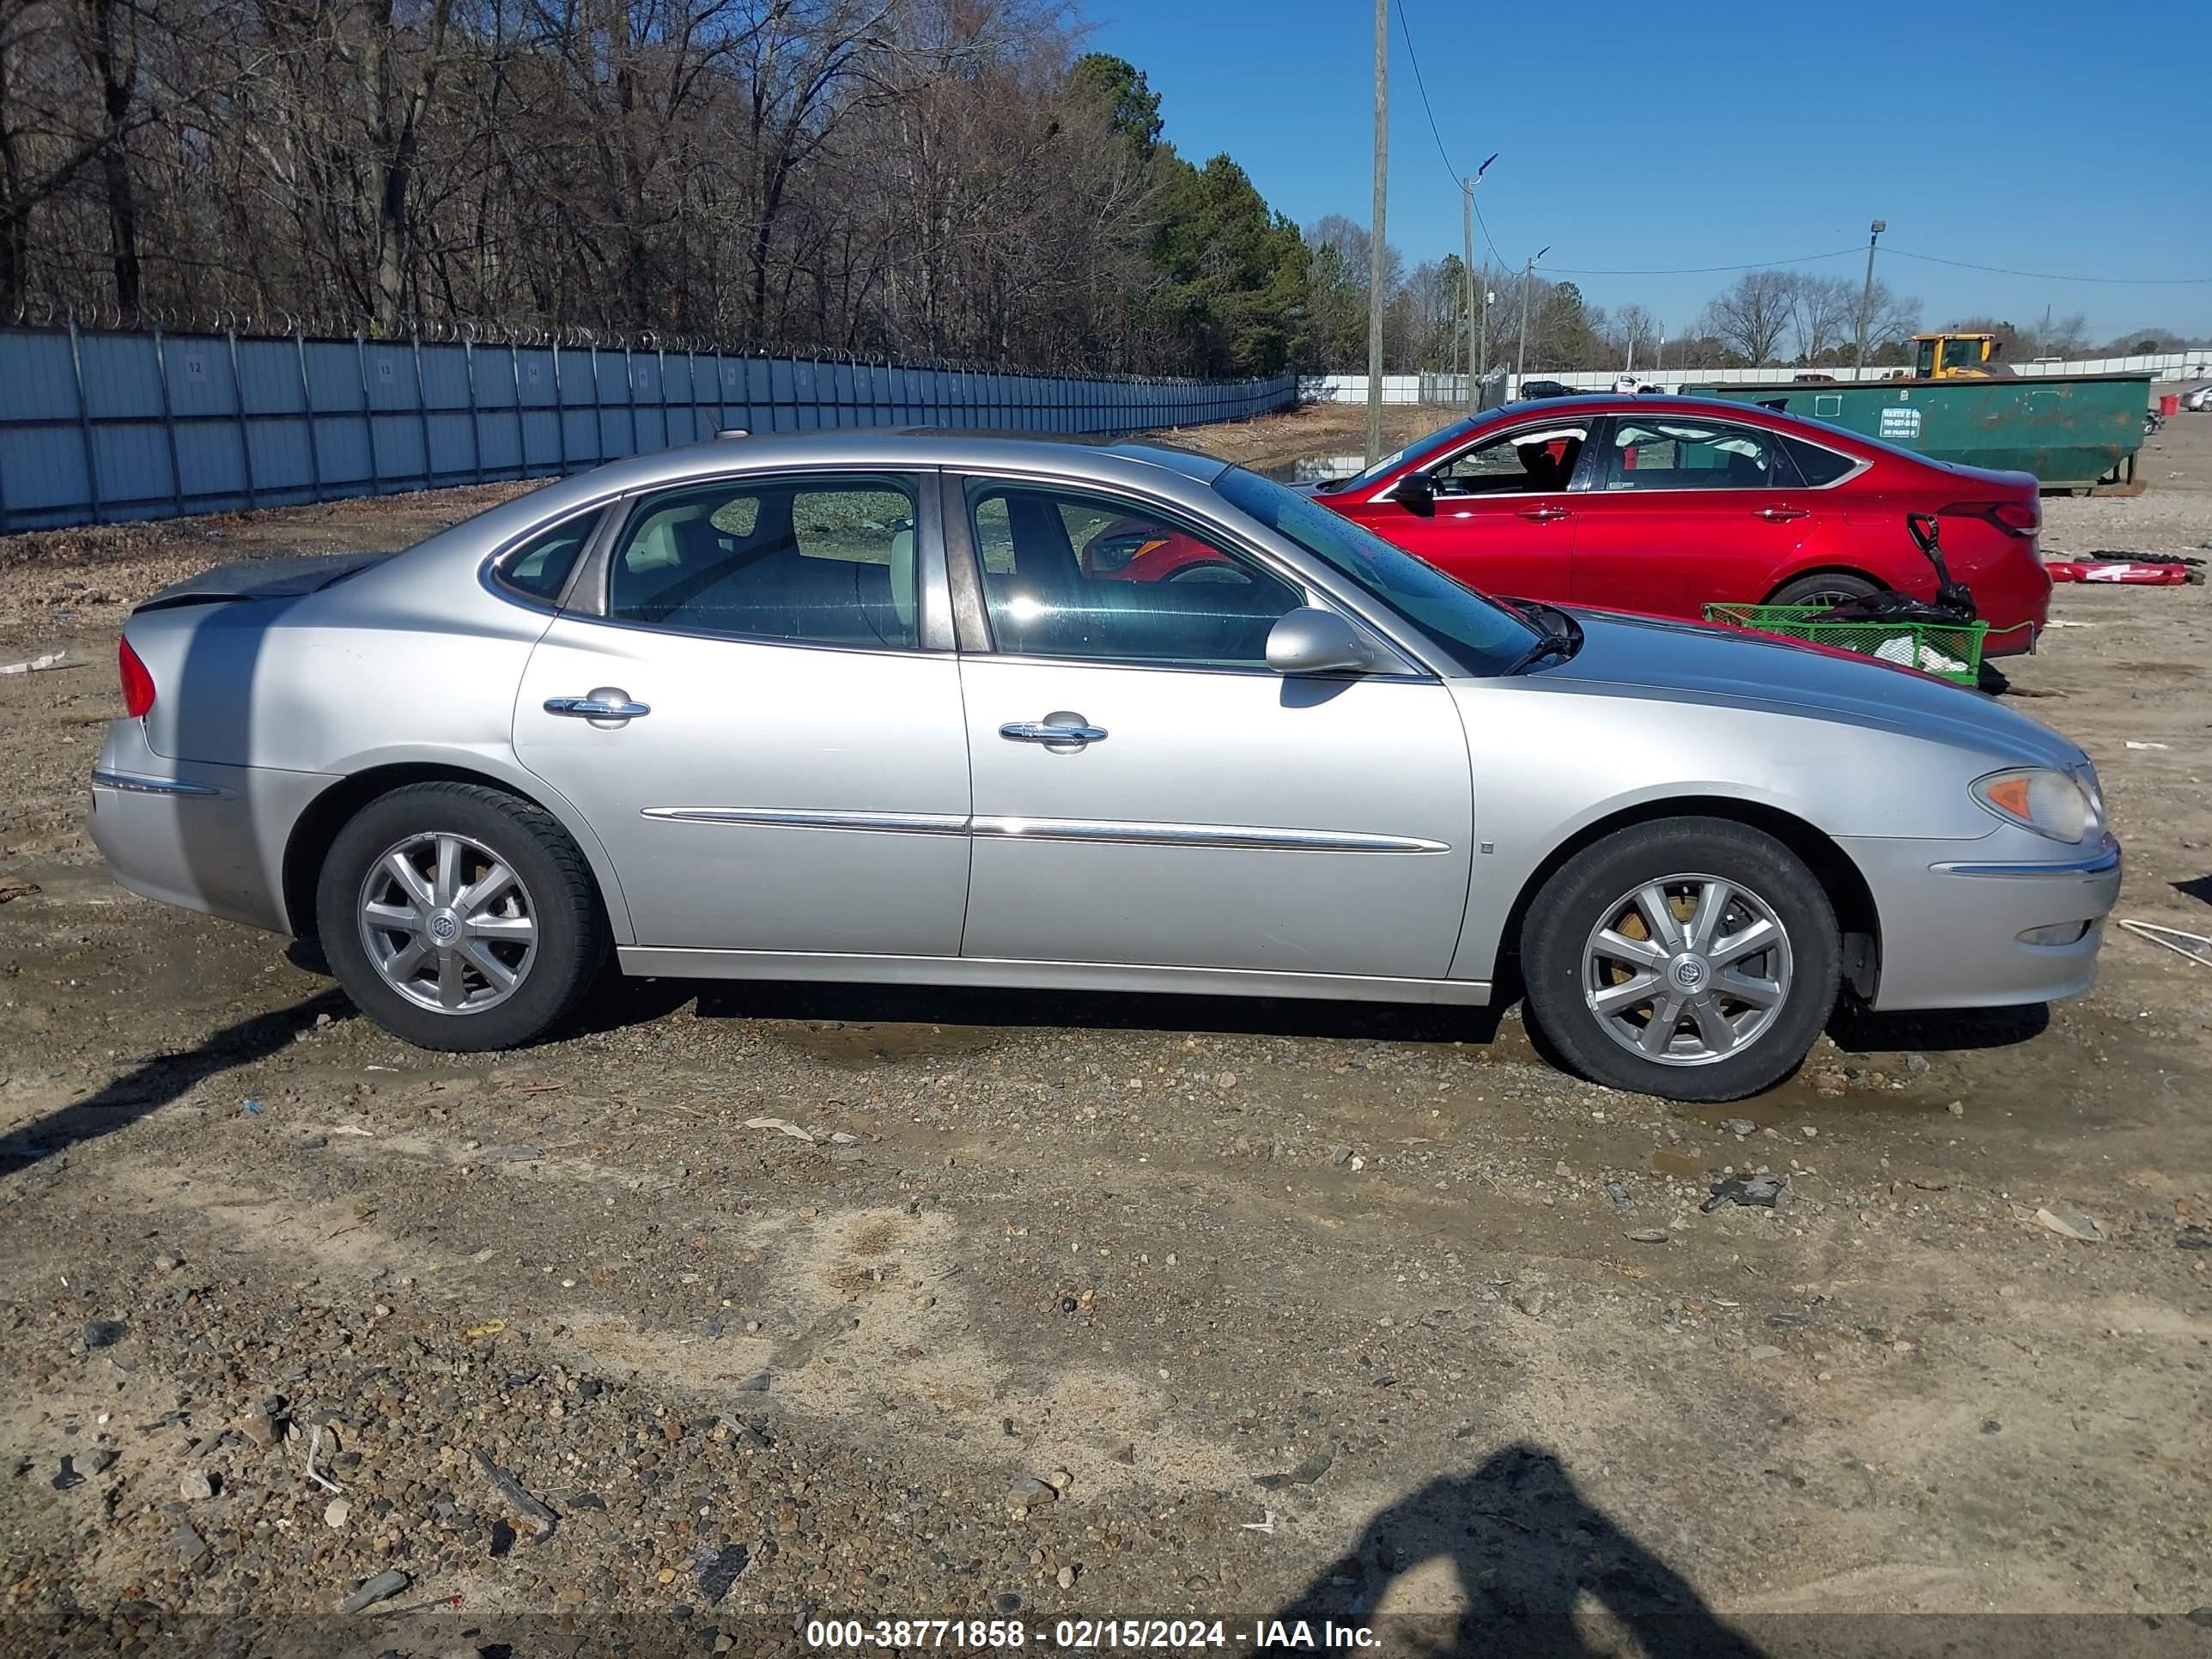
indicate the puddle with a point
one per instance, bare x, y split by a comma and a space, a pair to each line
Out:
1314, 469
842, 1042
1685, 1165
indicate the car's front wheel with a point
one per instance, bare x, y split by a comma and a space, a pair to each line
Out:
460, 917
1692, 958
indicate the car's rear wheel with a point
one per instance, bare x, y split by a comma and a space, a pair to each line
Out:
1692, 958
1824, 587
460, 917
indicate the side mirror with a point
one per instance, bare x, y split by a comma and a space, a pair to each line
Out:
1417, 495
1310, 640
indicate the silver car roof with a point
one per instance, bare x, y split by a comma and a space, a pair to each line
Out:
1102, 460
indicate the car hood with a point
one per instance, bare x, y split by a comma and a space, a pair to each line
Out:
1725, 665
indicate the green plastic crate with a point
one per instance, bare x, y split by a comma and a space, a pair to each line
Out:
1950, 651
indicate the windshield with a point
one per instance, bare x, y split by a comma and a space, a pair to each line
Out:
1488, 637
1442, 435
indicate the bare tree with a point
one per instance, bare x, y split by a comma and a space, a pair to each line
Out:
47, 132
1750, 318
1892, 318
1633, 333
1823, 313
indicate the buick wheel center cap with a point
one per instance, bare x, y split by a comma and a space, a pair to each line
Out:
1689, 973
445, 927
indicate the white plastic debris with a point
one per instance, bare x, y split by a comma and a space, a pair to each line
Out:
34, 664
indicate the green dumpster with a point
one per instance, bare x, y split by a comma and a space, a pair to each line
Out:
2073, 432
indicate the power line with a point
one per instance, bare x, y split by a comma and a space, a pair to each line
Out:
1485, 234
1701, 270
1458, 180
1406, 30
2053, 276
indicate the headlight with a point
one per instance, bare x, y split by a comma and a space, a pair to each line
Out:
2086, 775
2049, 803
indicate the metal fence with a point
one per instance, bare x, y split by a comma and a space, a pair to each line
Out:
97, 426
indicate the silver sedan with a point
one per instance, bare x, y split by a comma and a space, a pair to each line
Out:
945, 708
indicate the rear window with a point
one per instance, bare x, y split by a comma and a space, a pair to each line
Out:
1817, 466
540, 568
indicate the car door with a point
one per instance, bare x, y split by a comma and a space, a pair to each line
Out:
1680, 510
1147, 790
748, 710
1504, 512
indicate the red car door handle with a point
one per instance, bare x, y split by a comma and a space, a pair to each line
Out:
1778, 514
1546, 515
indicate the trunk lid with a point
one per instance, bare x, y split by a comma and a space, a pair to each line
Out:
287, 576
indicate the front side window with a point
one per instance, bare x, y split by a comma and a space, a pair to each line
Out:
1533, 461
828, 561
1439, 439
1679, 454
1484, 635
1068, 574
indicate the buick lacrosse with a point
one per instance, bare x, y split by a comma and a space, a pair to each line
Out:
966, 709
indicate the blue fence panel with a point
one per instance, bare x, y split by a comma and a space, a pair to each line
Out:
96, 426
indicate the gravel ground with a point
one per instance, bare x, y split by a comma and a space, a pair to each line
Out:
750, 1306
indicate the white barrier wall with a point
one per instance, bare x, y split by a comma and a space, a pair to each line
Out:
2181, 366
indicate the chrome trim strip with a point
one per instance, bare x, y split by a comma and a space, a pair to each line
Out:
1092, 830
136, 783
2096, 864
779, 818
1202, 835
1026, 974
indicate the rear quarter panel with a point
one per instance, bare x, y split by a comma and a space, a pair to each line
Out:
401, 666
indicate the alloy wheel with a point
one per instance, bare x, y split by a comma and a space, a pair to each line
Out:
1686, 970
447, 923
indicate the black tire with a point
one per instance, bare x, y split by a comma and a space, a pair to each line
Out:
569, 925
1823, 587
1586, 892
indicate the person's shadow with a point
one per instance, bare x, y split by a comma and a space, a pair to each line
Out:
1526, 1545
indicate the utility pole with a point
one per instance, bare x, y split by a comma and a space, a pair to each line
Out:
1528, 282
1866, 299
1482, 327
1467, 268
1376, 244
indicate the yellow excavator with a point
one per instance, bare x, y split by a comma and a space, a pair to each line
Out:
1957, 357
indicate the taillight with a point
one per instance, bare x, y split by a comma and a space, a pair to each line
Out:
137, 683
2013, 518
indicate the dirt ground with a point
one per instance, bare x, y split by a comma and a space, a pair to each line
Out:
749, 1307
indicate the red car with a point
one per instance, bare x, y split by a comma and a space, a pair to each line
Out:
1660, 505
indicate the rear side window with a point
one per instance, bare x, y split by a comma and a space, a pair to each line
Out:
1662, 453
1817, 466
540, 568
826, 560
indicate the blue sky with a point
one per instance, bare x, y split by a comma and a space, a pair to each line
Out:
1657, 136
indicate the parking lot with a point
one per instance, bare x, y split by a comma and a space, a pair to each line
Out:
748, 1306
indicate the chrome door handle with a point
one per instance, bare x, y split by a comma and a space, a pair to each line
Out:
597, 708
1053, 729
1546, 515
1779, 515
